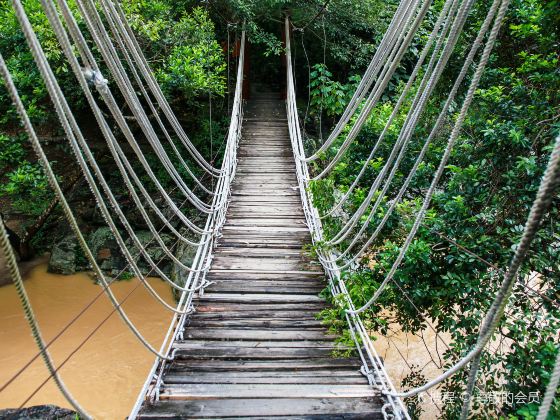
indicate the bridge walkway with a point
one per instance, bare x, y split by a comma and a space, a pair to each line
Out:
254, 348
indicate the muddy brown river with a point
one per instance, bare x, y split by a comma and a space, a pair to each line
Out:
106, 374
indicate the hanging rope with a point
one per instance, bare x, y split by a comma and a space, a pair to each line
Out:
11, 263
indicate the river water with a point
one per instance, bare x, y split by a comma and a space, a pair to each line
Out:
106, 374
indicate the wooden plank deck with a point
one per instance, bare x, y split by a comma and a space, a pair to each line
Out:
254, 348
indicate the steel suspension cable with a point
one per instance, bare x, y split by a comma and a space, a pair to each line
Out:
549, 183
69, 124
391, 64
106, 95
446, 154
394, 113
124, 50
401, 143
59, 31
107, 50
396, 24
148, 75
412, 118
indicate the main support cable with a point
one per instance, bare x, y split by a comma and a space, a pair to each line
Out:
443, 14
79, 146
110, 56
62, 200
112, 144
445, 157
395, 29
391, 63
70, 125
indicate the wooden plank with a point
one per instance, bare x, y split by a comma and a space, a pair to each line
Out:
263, 253
261, 275
264, 378
214, 391
258, 297
258, 353
252, 307
201, 344
258, 335
240, 323
250, 288
267, 230
232, 314
290, 365
341, 408
262, 264
262, 244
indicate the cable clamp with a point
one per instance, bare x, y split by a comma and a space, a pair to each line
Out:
386, 415
95, 78
368, 373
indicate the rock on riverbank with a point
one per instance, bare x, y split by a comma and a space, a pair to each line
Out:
38, 412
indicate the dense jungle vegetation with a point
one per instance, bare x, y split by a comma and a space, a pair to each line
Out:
481, 203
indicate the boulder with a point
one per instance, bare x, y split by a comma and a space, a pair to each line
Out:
38, 412
106, 251
63, 256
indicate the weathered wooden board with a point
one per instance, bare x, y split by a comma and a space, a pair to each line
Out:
258, 335
203, 343
264, 378
214, 391
325, 408
259, 298
286, 365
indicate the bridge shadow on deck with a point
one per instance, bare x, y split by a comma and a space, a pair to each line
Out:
254, 348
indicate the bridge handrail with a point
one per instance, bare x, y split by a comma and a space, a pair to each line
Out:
372, 364
203, 256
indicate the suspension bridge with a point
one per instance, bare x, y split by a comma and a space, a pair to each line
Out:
244, 340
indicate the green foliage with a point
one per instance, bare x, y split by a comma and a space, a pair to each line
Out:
195, 64
482, 203
27, 187
11, 150
328, 96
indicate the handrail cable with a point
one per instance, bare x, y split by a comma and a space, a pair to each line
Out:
109, 194
110, 56
54, 182
391, 63
87, 56
396, 109
373, 366
397, 22
63, 111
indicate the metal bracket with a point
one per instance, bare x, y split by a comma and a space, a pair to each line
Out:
95, 78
